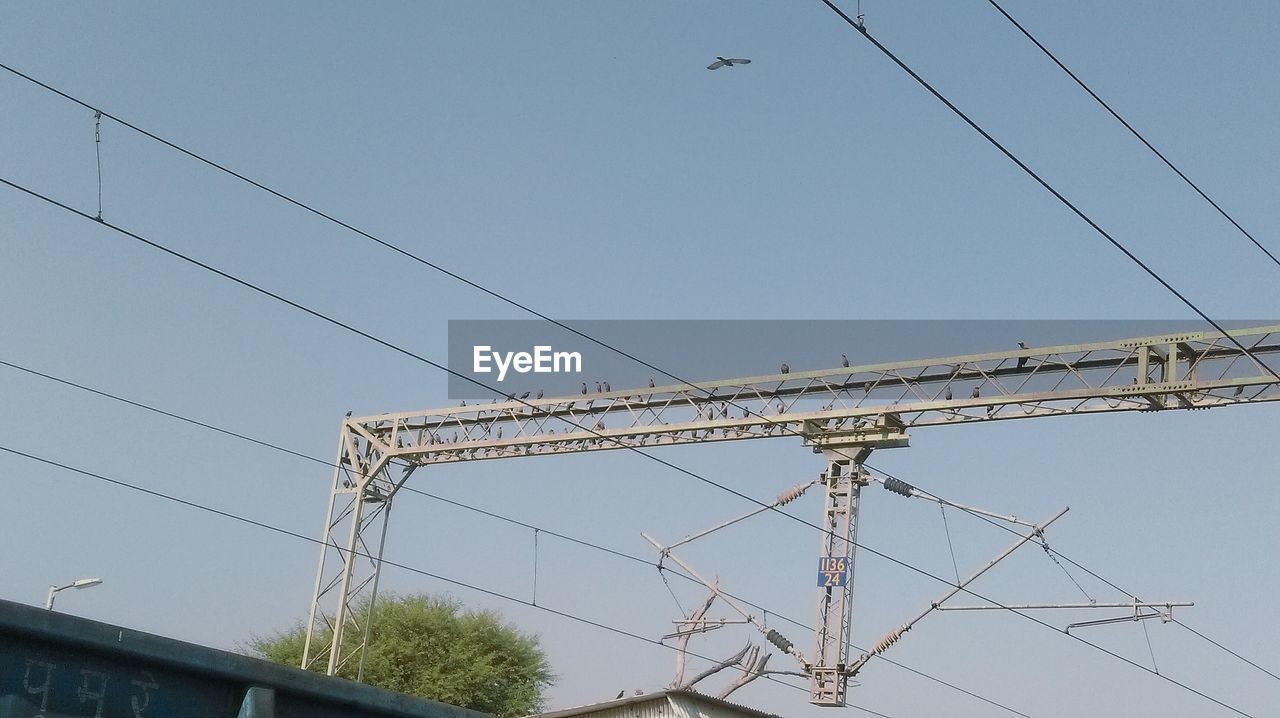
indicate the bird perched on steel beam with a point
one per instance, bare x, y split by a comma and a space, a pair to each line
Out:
727, 62
976, 393
844, 360
785, 369
1022, 361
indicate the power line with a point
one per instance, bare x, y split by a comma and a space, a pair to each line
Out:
489, 592
856, 25
861, 28
526, 308
565, 537
659, 460
1228, 650
463, 584
484, 512
523, 307
162, 412
532, 311
1053, 552
379, 241
1043, 183
1132, 130
456, 276
98, 114
1210, 640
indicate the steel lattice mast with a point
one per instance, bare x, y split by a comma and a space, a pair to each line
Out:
842, 413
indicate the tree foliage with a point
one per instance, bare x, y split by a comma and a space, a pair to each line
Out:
430, 647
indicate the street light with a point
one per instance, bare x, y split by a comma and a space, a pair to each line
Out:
82, 583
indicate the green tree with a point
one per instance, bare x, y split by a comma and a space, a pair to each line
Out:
428, 646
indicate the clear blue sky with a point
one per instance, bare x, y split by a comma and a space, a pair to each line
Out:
578, 156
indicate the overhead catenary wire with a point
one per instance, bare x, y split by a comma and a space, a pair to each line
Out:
400, 250
433, 265
98, 113
1053, 552
862, 30
490, 592
359, 332
1132, 130
1224, 648
405, 567
479, 287
609, 551
162, 412
523, 307
1172, 619
536, 529
497, 516
568, 328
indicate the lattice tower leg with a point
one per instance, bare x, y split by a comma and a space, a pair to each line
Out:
844, 480
346, 584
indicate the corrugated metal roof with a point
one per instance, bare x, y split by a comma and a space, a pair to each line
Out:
663, 704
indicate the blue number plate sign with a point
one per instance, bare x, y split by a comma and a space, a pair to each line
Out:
833, 571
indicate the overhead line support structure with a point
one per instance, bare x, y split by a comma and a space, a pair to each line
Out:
842, 413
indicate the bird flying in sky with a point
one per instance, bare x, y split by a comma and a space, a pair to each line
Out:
727, 62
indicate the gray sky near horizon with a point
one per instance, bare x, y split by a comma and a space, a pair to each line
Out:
578, 156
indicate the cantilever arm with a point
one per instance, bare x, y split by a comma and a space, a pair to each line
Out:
714, 588
892, 636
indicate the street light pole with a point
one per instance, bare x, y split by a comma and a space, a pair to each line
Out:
82, 583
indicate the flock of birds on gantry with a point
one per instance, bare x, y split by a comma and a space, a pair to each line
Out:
602, 387
494, 429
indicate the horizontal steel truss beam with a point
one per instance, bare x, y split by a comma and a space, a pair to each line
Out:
847, 405
1135, 605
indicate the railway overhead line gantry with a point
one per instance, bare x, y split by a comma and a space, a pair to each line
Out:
843, 413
